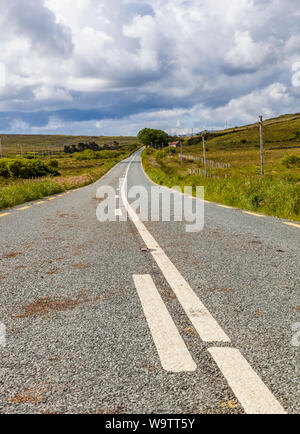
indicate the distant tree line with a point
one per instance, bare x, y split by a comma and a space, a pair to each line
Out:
92, 146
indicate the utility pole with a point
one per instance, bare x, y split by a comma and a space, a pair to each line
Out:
204, 155
181, 159
1, 155
261, 123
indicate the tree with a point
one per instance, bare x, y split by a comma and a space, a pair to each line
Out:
151, 137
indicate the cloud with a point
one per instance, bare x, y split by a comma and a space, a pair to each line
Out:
99, 67
247, 55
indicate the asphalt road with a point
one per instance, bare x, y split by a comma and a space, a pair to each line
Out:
95, 323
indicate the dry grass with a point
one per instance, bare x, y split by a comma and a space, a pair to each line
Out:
80, 266
46, 306
29, 396
12, 255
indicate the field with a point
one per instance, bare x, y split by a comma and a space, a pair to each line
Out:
47, 144
240, 185
67, 171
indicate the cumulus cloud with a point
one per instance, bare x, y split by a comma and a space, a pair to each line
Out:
99, 67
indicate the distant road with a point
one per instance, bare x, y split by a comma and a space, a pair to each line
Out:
132, 317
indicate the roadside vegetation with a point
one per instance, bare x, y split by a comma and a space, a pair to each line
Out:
240, 184
36, 175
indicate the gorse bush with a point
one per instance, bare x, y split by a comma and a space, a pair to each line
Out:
25, 169
291, 161
4, 172
97, 155
54, 163
88, 154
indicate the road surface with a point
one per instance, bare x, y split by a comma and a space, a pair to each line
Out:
133, 317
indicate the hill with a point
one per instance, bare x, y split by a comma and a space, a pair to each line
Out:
234, 170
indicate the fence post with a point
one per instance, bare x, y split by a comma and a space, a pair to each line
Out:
204, 155
262, 146
181, 159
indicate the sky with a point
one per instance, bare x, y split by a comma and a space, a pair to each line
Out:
113, 67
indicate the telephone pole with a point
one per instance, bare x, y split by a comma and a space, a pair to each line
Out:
1, 155
204, 155
181, 158
261, 123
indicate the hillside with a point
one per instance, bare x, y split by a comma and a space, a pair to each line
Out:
234, 171
13, 144
240, 146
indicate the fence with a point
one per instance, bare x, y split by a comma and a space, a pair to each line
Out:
201, 172
28, 181
209, 163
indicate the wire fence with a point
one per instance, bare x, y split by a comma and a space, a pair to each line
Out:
200, 172
210, 163
27, 181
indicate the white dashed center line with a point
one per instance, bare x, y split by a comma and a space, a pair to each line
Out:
207, 327
247, 386
173, 353
250, 390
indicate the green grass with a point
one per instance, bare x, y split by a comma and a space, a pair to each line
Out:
17, 194
241, 186
74, 173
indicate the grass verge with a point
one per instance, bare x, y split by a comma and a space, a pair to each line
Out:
26, 191
271, 196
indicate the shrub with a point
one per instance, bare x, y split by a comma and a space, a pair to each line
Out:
291, 160
26, 169
53, 164
88, 154
4, 172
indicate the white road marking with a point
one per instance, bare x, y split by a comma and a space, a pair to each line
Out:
118, 213
248, 387
172, 351
2, 335
206, 326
